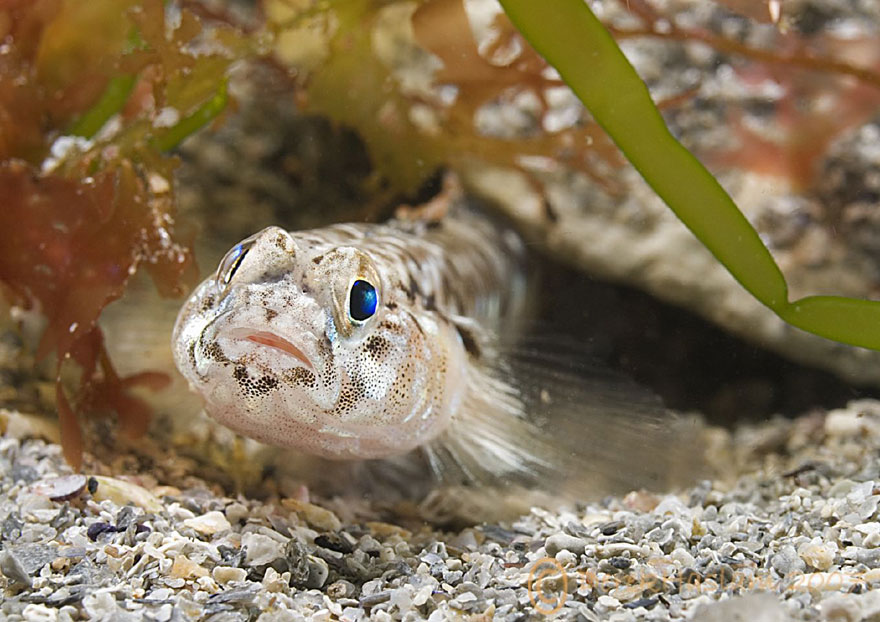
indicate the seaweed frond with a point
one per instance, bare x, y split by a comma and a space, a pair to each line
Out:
92, 97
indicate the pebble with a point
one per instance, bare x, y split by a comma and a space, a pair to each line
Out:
13, 569
184, 568
314, 515
318, 572
564, 542
746, 608
228, 574
261, 549
122, 493
61, 488
209, 524
819, 556
786, 561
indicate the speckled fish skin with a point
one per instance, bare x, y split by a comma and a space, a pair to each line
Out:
269, 344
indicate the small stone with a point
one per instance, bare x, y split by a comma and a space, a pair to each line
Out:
12, 569
297, 558
21, 426
841, 608
746, 608
121, 492
175, 582
10, 528
166, 491
29, 558
827, 582
236, 513
274, 581
238, 596
786, 561
819, 556
842, 423
185, 568
318, 572
101, 605
564, 542
682, 556
261, 549
641, 501
228, 574
314, 515
39, 613
386, 530
96, 529
208, 524
61, 488
609, 602
163, 612
340, 542
341, 589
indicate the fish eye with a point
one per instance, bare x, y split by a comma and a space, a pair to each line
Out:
362, 301
232, 261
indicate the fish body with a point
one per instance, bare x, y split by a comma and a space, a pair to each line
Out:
363, 341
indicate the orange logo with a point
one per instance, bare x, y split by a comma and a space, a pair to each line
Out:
547, 586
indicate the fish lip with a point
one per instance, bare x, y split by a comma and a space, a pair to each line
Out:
273, 340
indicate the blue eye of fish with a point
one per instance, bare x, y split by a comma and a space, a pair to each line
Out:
362, 301
232, 262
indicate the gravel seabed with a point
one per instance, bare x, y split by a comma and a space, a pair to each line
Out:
788, 530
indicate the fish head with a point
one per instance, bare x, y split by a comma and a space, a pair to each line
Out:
303, 344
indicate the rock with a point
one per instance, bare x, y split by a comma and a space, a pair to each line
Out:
122, 492
564, 542
61, 488
819, 556
786, 561
28, 558
261, 549
185, 568
13, 569
20, 425
746, 608
314, 515
841, 608
208, 524
228, 574
318, 572
101, 605
236, 512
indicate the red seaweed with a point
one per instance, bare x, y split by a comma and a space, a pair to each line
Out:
80, 217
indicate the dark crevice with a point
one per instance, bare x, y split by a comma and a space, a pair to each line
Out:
689, 362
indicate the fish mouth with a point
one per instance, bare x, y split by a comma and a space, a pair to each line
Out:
271, 340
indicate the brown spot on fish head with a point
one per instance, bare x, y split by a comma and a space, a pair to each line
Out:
213, 351
271, 314
191, 355
208, 303
299, 376
252, 386
351, 395
377, 347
